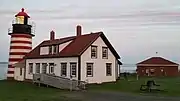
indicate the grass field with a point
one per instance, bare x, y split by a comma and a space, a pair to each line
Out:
18, 91
21, 91
171, 86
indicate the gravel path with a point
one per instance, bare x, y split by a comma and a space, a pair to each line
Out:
116, 96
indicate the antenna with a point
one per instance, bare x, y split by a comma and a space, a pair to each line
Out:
157, 53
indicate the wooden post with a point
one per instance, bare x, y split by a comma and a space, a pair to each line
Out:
70, 83
137, 77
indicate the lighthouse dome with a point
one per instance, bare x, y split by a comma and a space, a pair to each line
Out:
22, 13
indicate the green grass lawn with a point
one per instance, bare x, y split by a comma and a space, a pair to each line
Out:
171, 86
20, 91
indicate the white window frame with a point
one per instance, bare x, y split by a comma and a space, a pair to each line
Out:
50, 50
44, 68
89, 68
62, 68
73, 69
51, 68
37, 68
55, 49
105, 52
108, 66
94, 52
30, 68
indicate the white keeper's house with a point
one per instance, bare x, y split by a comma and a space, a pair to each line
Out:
84, 57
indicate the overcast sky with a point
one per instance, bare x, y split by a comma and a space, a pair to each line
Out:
136, 28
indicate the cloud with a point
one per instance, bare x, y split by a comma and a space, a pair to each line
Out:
136, 28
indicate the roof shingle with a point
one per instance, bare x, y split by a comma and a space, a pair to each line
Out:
157, 61
78, 45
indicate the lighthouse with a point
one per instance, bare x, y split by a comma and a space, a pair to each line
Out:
21, 34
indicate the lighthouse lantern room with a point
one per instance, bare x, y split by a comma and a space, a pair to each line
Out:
21, 40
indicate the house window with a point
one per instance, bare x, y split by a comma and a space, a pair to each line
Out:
20, 71
44, 68
50, 49
30, 68
108, 69
73, 69
89, 70
51, 68
93, 51
37, 68
104, 52
147, 72
55, 49
63, 69
152, 71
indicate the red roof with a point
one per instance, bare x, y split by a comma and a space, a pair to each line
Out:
157, 61
78, 45
22, 13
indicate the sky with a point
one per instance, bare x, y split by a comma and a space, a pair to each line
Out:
136, 28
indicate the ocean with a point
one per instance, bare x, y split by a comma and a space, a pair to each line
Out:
3, 70
131, 68
124, 68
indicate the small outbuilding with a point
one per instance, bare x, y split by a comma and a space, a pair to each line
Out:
157, 66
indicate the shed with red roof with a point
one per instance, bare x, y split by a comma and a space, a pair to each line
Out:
157, 66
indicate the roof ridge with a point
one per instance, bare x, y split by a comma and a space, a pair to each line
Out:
157, 60
76, 47
76, 36
62, 38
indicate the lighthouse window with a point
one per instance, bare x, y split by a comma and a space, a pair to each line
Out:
20, 19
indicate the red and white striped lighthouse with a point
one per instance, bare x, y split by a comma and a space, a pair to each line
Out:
21, 40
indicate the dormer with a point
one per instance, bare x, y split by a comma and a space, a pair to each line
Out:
53, 46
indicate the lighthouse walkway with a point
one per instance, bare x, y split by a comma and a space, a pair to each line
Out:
59, 82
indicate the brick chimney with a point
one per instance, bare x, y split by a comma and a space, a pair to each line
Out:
78, 30
52, 35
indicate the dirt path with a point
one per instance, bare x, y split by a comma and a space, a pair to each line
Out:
116, 96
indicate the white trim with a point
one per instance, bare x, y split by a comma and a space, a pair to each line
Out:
10, 69
16, 56
11, 63
62, 46
21, 44
10, 75
20, 50
20, 39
